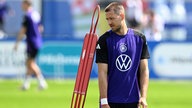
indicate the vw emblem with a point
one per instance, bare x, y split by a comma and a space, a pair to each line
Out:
123, 62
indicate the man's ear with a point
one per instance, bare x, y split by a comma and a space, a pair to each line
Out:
122, 16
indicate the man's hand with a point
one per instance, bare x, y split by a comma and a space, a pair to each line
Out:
142, 102
15, 47
105, 106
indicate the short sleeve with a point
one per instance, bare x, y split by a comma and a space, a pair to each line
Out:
24, 23
101, 49
145, 52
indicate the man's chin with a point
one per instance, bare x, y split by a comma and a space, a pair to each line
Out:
114, 30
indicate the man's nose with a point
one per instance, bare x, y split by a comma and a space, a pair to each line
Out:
109, 22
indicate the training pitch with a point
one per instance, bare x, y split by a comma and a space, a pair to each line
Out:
161, 94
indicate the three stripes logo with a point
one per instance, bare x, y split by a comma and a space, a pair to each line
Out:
123, 62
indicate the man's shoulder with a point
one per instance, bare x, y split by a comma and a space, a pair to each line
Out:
104, 36
138, 33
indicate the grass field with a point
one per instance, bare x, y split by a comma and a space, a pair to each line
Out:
162, 94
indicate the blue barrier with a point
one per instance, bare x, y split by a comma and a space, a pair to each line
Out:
60, 59
170, 60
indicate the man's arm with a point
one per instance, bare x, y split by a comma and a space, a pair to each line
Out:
41, 28
20, 37
144, 81
103, 83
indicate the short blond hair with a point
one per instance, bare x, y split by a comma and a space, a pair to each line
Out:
28, 2
117, 7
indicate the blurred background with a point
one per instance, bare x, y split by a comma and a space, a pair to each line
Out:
167, 25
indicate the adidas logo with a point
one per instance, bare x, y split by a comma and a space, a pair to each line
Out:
98, 46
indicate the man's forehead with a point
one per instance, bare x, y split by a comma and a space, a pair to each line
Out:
110, 13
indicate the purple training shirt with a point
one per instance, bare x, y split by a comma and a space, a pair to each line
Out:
123, 55
31, 23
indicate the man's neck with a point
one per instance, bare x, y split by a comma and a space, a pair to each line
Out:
29, 9
123, 30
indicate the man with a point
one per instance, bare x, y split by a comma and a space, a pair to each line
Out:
121, 55
31, 28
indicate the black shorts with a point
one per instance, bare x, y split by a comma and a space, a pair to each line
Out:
33, 53
123, 105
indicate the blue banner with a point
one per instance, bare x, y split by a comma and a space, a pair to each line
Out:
59, 59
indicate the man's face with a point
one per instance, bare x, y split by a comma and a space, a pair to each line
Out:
113, 20
24, 6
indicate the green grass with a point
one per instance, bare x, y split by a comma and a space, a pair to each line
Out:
161, 94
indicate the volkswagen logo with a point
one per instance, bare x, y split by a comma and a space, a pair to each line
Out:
123, 62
